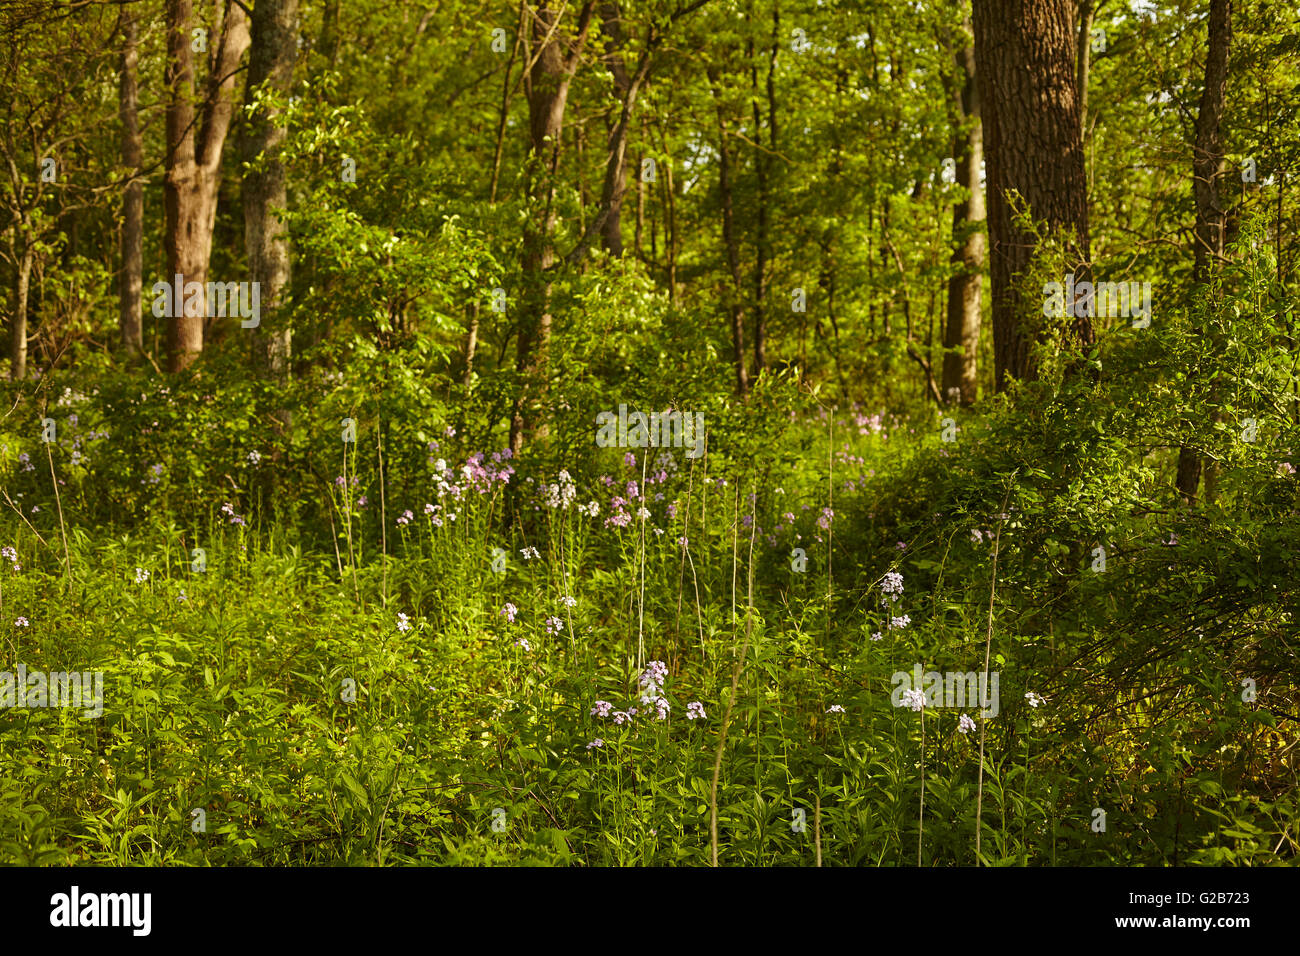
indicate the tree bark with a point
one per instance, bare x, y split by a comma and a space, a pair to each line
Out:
730, 244
1207, 169
1029, 99
270, 66
961, 369
131, 241
193, 165
546, 84
762, 166
26, 257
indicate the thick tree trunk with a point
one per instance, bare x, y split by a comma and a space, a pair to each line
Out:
961, 370
270, 66
193, 166
546, 83
131, 281
1025, 50
1211, 219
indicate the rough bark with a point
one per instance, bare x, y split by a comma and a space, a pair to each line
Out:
193, 163
1207, 169
266, 242
552, 64
961, 369
1030, 109
131, 240
730, 244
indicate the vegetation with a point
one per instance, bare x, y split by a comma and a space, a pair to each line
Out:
950, 554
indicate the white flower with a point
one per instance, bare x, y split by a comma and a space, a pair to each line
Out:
914, 699
1035, 700
835, 709
141, 575
403, 622
965, 724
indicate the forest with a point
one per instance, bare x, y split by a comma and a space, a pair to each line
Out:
649, 433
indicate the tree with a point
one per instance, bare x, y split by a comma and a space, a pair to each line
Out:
193, 164
551, 66
962, 332
1207, 169
271, 59
131, 240
1027, 85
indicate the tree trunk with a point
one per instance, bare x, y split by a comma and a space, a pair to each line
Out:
130, 287
193, 166
270, 66
730, 243
1207, 170
22, 294
546, 84
961, 370
1083, 60
1025, 50
763, 165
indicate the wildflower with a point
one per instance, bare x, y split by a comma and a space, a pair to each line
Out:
22, 622
596, 743
662, 706
141, 575
654, 674
898, 623
450, 432
914, 699
901, 546
568, 601
629, 459
429, 509
554, 625
835, 709
976, 536
523, 642
824, 522
876, 636
1286, 468
182, 596
602, 708
892, 583
1035, 700
695, 710
403, 623
362, 501
964, 724
25, 460
620, 717
509, 610
405, 517
530, 553
254, 457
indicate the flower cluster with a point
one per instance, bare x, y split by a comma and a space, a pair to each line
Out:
509, 611
141, 576
10, 553
229, 510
